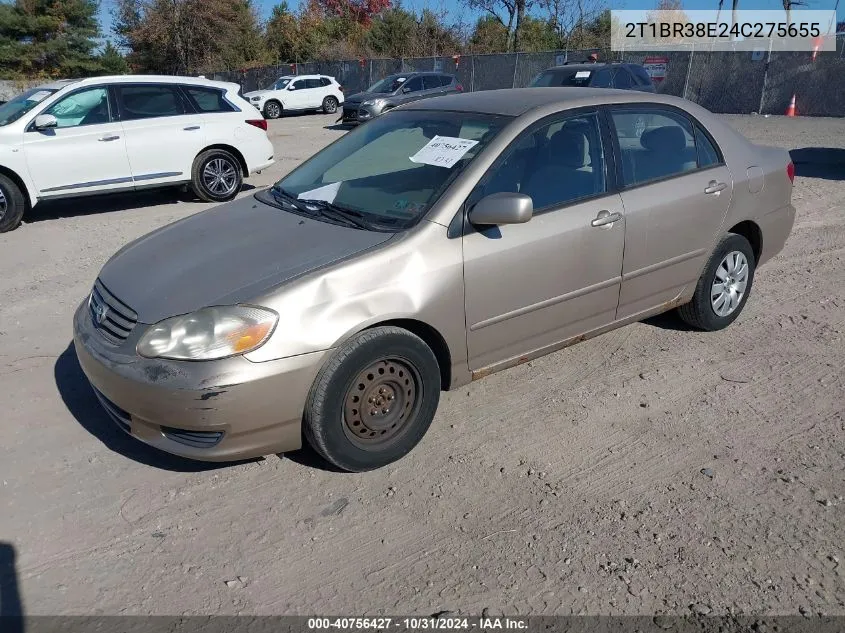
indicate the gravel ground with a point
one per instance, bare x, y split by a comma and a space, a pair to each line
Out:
651, 470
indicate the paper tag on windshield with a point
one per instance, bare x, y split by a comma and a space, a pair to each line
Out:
39, 96
582, 74
326, 193
443, 151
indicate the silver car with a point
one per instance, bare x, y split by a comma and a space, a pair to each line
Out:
449, 239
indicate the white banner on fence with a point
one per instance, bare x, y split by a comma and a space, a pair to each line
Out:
679, 30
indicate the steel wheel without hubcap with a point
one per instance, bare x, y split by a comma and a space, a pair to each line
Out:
729, 283
380, 402
220, 176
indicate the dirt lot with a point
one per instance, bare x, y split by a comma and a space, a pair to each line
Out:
651, 470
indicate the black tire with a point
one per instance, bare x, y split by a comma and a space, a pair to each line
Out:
273, 110
12, 204
330, 105
352, 440
203, 183
700, 311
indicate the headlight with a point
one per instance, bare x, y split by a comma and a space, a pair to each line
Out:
209, 334
376, 103
256, 98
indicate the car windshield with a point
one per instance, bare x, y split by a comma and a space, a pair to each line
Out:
563, 77
280, 84
13, 110
390, 171
388, 85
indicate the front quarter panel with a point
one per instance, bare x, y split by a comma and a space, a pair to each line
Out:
12, 157
416, 276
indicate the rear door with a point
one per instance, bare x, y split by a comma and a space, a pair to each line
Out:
163, 132
676, 190
411, 89
314, 93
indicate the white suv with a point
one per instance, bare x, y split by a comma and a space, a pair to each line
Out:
297, 93
106, 134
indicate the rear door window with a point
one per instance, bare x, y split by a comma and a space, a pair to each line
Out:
312, 83
414, 85
147, 101
601, 79
430, 82
208, 99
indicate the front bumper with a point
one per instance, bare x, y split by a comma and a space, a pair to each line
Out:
221, 410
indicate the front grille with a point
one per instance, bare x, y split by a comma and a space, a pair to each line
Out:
196, 439
121, 417
350, 114
112, 318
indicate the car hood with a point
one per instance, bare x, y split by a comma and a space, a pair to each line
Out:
257, 93
226, 255
359, 97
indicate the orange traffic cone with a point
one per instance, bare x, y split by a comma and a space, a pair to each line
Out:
791, 110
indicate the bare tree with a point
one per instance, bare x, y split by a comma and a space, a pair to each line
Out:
509, 13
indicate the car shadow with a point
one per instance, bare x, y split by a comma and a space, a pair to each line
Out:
308, 457
669, 321
819, 162
109, 203
11, 605
79, 398
339, 127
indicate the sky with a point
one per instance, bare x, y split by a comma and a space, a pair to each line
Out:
457, 10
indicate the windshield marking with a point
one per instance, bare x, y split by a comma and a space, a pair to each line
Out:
582, 74
327, 193
443, 151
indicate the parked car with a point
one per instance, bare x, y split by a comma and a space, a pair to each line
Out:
601, 75
395, 90
298, 93
108, 134
456, 237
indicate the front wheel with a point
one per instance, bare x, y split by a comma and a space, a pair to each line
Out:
216, 176
723, 287
12, 204
273, 110
329, 105
374, 400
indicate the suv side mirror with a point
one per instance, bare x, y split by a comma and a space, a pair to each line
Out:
406, 90
502, 208
45, 122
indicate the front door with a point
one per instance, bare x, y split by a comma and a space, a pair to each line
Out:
298, 94
163, 134
85, 153
530, 286
676, 194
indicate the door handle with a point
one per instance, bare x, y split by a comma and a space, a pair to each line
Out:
715, 187
192, 128
106, 139
606, 218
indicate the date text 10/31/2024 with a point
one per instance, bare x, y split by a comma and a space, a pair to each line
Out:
417, 624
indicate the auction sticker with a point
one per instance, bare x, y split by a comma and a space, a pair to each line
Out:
443, 151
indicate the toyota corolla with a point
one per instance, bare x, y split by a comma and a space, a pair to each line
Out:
447, 240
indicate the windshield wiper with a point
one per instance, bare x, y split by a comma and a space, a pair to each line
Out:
342, 214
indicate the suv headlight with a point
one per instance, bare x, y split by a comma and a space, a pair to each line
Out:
256, 98
376, 103
209, 334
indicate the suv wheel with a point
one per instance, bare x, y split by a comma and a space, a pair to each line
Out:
272, 109
329, 105
216, 176
12, 204
374, 400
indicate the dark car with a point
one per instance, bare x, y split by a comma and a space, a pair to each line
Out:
620, 76
596, 75
395, 90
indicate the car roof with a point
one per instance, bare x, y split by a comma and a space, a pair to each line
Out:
59, 84
517, 101
160, 79
588, 65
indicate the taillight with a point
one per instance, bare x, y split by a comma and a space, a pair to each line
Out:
790, 171
340, 88
259, 123
459, 88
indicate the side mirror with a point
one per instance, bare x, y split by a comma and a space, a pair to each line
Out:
502, 208
45, 122
406, 90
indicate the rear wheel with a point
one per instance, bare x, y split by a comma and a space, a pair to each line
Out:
12, 204
329, 105
374, 400
273, 109
724, 286
216, 176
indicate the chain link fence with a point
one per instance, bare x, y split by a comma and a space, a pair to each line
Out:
723, 82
